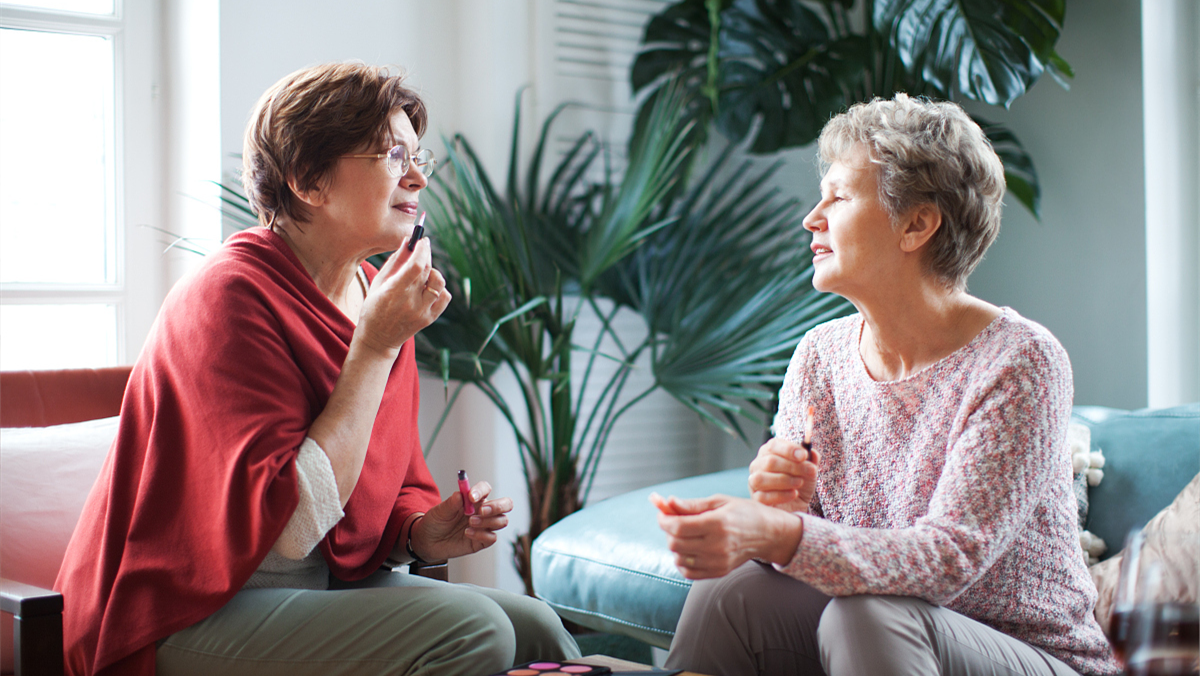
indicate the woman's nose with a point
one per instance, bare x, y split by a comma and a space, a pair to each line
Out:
415, 179
814, 220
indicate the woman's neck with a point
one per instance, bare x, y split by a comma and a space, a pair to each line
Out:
909, 332
334, 274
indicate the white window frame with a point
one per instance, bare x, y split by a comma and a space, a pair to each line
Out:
138, 285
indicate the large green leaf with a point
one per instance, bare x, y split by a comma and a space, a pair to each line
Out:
782, 68
987, 50
675, 41
676, 51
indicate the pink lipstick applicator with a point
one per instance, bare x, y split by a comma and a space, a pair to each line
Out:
464, 487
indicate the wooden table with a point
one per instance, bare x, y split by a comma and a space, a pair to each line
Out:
621, 665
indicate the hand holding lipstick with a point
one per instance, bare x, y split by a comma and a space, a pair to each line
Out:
447, 531
784, 474
407, 295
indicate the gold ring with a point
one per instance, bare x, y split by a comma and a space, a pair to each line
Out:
689, 561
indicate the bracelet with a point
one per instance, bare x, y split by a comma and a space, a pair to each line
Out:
411, 553
408, 540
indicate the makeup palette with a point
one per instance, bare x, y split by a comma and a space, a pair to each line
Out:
550, 668
555, 669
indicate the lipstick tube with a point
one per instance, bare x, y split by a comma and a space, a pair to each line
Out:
464, 487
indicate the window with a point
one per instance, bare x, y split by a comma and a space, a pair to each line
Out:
74, 79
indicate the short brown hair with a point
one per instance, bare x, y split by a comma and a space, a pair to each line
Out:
307, 120
928, 152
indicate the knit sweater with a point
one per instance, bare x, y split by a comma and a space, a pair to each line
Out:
951, 485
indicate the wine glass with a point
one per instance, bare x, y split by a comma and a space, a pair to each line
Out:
1161, 631
1124, 597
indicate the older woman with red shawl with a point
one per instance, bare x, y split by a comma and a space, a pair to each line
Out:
267, 471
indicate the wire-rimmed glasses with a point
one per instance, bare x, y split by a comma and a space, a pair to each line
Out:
399, 160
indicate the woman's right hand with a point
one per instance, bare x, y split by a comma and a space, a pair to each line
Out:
712, 536
406, 295
784, 475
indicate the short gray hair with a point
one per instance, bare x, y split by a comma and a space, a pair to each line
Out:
928, 152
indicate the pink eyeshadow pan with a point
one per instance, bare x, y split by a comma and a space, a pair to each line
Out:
576, 669
545, 665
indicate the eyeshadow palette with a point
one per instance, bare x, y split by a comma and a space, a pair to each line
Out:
555, 669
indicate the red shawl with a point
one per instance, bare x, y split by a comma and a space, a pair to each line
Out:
201, 479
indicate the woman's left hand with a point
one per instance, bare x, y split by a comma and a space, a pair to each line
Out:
712, 536
445, 532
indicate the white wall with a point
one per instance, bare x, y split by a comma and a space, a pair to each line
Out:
1081, 272
465, 57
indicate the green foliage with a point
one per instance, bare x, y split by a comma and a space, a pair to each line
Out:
719, 270
774, 71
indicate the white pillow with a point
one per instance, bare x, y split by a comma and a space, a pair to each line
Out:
47, 475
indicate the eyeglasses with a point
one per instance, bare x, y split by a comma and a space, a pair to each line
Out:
398, 160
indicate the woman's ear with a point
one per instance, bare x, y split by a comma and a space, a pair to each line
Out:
919, 227
314, 197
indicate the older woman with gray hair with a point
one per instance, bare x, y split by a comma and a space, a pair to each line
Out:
914, 512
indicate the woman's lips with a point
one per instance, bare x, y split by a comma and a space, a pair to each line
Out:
820, 251
409, 208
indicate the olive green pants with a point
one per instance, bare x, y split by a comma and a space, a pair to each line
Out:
389, 623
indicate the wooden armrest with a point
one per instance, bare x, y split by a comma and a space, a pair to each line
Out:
37, 627
437, 570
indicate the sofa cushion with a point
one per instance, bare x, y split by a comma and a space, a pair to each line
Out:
608, 568
1179, 523
47, 475
1150, 455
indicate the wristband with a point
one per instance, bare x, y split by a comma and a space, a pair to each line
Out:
409, 549
408, 539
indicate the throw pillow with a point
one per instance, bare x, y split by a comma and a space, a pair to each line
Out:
1181, 516
47, 475
1087, 467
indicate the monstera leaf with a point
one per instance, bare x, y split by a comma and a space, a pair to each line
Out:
987, 50
771, 72
782, 67
678, 47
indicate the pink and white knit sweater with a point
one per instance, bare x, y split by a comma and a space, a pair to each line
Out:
951, 485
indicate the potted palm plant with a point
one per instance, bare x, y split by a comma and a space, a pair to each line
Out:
717, 268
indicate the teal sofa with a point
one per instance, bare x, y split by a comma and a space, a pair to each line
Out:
607, 567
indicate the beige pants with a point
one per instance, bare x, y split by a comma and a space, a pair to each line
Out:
759, 621
390, 623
